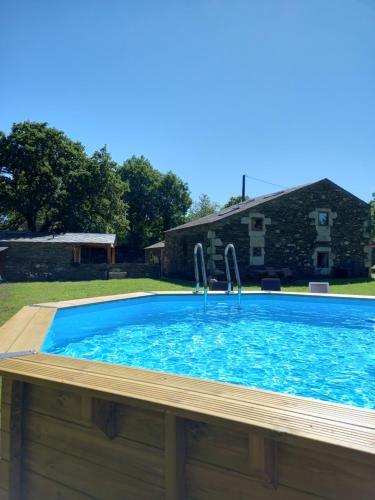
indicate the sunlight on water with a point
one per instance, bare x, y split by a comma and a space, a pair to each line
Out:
315, 347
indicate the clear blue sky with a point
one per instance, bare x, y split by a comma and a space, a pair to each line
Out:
283, 90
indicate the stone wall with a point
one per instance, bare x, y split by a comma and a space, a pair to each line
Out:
290, 236
47, 262
140, 270
54, 262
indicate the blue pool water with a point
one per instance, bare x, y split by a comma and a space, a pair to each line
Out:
322, 348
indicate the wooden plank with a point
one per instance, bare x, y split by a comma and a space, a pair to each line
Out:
263, 458
4, 474
104, 416
86, 476
174, 457
313, 407
257, 416
61, 403
324, 474
11, 445
140, 425
132, 459
34, 337
15, 326
41, 488
3, 494
218, 445
206, 482
96, 300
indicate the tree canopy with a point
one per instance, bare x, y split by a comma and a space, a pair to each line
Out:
204, 206
156, 203
234, 200
372, 203
48, 183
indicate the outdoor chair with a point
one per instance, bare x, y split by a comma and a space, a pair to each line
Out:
318, 287
271, 284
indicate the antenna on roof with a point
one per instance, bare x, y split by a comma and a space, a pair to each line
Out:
243, 187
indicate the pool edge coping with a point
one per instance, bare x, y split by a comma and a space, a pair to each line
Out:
27, 329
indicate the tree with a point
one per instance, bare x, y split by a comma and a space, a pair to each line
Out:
372, 203
234, 200
47, 182
156, 202
174, 200
204, 206
142, 200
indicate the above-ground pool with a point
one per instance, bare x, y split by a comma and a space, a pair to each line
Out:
317, 347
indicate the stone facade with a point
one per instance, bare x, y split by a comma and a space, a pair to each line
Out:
24, 261
319, 229
47, 262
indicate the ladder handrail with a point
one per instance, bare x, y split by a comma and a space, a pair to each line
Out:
230, 246
199, 247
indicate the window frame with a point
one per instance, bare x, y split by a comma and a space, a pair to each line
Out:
253, 223
320, 252
327, 220
257, 255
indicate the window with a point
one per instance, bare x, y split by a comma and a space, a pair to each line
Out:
323, 260
323, 218
92, 255
257, 224
257, 251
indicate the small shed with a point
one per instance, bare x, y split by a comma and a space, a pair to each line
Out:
154, 254
64, 256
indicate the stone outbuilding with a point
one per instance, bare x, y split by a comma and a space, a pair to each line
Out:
154, 254
318, 229
65, 256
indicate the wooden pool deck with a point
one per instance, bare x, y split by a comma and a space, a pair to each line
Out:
332, 442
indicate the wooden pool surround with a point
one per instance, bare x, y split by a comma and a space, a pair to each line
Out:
79, 429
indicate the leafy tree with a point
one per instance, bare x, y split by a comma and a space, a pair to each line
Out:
47, 182
234, 200
156, 202
372, 203
142, 200
204, 206
174, 200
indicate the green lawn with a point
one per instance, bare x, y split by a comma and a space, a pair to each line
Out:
13, 296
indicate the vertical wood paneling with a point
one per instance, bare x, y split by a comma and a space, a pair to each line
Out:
263, 458
11, 434
174, 457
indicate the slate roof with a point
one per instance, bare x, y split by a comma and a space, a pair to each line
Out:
239, 207
79, 238
159, 244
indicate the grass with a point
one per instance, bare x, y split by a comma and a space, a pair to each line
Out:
13, 296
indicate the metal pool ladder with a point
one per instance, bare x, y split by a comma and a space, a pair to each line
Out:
228, 248
199, 248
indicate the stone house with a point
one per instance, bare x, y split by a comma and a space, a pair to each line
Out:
154, 254
65, 256
318, 229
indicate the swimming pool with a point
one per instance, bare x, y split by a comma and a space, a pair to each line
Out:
317, 347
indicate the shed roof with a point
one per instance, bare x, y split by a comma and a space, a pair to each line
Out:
159, 244
246, 205
79, 238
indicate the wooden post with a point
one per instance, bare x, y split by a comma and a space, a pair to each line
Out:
11, 434
113, 255
104, 416
262, 458
77, 254
174, 457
